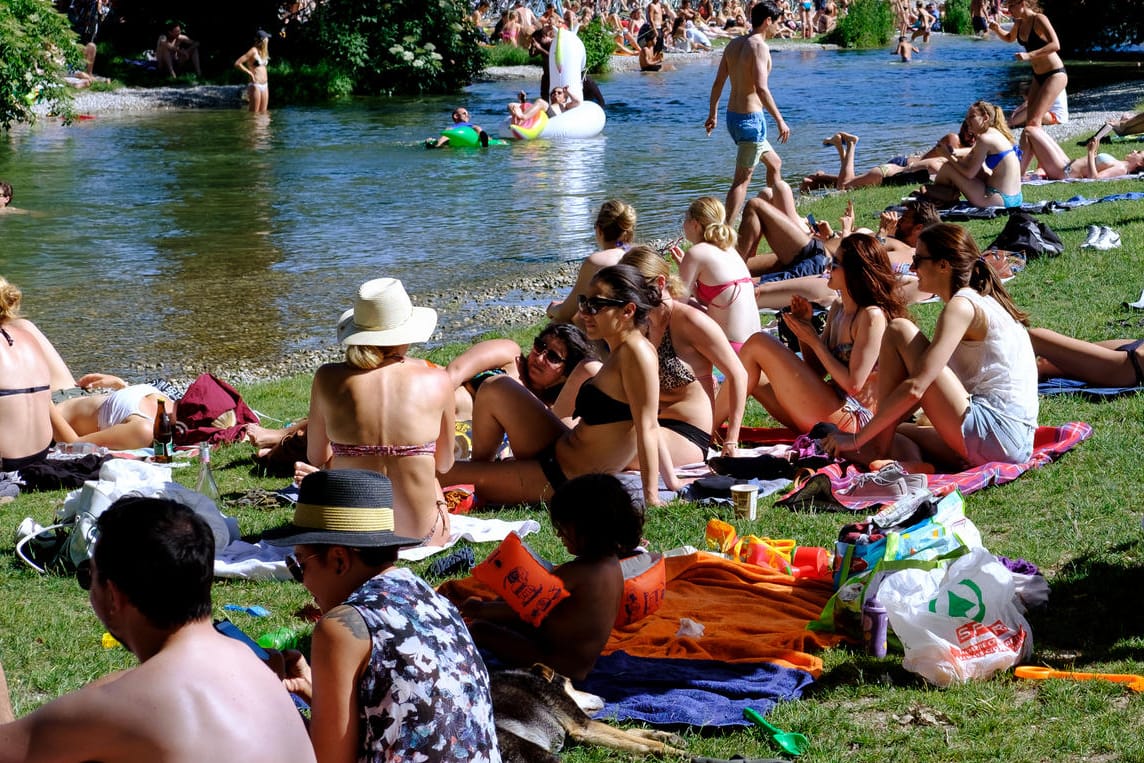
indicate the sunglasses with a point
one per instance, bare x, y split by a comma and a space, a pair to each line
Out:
918, 259
593, 305
294, 564
834, 264
544, 351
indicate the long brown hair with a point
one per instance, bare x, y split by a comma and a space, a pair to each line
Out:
954, 244
869, 276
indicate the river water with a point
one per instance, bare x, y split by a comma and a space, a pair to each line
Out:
156, 240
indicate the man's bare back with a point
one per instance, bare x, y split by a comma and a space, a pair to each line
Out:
748, 60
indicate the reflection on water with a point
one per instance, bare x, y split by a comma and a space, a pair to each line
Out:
171, 236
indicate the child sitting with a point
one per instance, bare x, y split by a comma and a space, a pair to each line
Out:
598, 522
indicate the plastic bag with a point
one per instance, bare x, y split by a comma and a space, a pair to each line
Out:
960, 624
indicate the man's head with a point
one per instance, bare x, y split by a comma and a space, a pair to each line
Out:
918, 216
159, 555
763, 12
174, 29
5, 194
460, 114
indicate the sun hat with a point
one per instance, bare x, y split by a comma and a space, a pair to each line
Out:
342, 507
383, 316
263, 34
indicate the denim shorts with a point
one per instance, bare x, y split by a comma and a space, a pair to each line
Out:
989, 436
811, 261
749, 131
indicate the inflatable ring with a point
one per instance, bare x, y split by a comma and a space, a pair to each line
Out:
467, 137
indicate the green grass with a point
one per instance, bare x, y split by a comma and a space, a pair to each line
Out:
1078, 519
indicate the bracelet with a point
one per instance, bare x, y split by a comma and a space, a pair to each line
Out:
731, 444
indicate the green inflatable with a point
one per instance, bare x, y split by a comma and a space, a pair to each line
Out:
467, 137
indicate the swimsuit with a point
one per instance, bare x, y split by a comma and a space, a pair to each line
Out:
810, 261
428, 449
1008, 200
1034, 43
124, 403
749, 131
262, 87
22, 390
689, 432
673, 372
708, 294
651, 67
594, 406
16, 464
1043, 76
992, 160
1131, 348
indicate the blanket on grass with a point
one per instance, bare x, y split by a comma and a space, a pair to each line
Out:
1061, 386
1049, 443
753, 651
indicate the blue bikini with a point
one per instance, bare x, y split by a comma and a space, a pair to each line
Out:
1009, 200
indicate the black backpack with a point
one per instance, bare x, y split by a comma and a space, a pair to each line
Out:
1022, 233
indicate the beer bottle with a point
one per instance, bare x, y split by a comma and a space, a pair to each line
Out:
164, 445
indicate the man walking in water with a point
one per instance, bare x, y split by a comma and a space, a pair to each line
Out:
747, 61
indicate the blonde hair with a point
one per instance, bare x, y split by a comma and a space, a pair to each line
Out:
616, 221
368, 356
10, 297
710, 213
651, 265
996, 118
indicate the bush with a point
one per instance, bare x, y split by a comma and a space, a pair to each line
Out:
868, 24
36, 44
599, 45
1086, 25
309, 83
507, 55
956, 18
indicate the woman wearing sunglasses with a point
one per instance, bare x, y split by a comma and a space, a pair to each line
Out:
976, 380
835, 380
561, 359
616, 410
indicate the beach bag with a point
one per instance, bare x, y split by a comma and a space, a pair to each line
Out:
958, 625
1023, 233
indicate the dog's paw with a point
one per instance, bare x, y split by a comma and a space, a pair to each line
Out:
663, 737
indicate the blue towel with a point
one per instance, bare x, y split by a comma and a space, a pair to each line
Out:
674, 692
1058, 386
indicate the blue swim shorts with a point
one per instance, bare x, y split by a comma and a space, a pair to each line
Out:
811, 261
990, 436
749, 131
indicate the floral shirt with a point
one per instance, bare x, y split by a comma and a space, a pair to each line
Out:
424, 697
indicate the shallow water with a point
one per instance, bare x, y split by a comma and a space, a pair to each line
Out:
162, 238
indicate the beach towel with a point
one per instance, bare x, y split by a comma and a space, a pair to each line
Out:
822, 491
1061, 386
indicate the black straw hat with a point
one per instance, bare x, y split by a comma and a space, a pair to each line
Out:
342, 507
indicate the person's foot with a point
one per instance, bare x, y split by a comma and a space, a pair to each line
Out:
261, 437
834, 140
848, 138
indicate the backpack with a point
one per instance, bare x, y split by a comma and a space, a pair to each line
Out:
1022, 233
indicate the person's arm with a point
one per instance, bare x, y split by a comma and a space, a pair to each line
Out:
447, 436
971, 163
952, 325
565, 404
339, 651
100, 381
690, 265
6, 714
1008, 35
318, 451
240, 64
84, 725
482, 356
707, 337
716, 93
1048, 34
638, 370
764, 93
1090, 159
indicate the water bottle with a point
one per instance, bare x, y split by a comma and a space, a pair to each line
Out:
875, 620
279, 638
206, 483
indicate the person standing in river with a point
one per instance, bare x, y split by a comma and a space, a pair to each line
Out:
253, 64
747, 62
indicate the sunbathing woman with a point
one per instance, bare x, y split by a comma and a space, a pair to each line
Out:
615, 228
976, 380
616, 409
794, 390
598, 522
690, 345
996, 150
1055, 164
913, 165
560, 361
386, 412
26, 398
1109, 363
714, 273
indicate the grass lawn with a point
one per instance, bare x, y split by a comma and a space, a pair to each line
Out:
1078, 519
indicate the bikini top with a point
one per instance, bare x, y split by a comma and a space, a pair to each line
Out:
707, 294
594, 406
992, 160
340, 449
22, 390
260, 61
1033, 41
673, 372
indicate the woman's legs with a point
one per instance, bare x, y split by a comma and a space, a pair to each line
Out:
503, 406
790, 390
1049, 155
971, 188
1099, 364
1040, 99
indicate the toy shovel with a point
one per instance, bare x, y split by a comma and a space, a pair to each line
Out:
1134, 682
788, 741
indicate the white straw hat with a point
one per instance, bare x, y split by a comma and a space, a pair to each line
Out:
383, 316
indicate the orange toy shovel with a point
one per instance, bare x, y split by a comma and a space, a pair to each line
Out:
1134, 682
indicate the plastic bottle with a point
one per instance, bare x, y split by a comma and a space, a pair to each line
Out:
164, 443
206, 483
875, 621
279, 638
108, 641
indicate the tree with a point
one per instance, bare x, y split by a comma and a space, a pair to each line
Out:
1087, 25
36, 45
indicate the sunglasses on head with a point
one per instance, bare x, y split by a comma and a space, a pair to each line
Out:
546, 352
593, 305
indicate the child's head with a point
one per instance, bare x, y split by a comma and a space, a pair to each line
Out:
595, 516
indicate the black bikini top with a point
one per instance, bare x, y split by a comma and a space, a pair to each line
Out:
1033, 41
594, 406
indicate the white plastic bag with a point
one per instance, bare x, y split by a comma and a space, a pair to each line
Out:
958, 624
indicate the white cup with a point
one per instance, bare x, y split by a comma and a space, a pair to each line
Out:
746, 498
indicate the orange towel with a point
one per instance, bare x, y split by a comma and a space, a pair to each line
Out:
749, 614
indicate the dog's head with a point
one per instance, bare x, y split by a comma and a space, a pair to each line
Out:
589, 703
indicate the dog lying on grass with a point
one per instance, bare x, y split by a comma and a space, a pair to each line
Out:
536, 709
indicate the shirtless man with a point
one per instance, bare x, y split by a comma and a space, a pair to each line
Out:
747, 61
175, 49
196, 694
525, 17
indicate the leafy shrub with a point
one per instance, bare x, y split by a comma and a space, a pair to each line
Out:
507, 55
1085, 25
599, 45
309, 83
956, 18
35, 44
868, 24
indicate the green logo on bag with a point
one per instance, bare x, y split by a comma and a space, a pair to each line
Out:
959, 606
